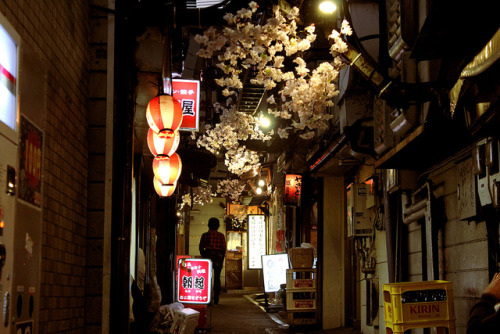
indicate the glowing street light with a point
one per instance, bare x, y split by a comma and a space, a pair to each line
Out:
327, 7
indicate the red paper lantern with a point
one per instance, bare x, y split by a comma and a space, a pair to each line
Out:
161, 145
167, 169
164, 190
164, 115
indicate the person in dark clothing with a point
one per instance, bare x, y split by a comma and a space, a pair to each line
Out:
483, 318
213, 247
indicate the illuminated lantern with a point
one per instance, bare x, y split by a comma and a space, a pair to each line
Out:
167, 169
293, 187
164, 115
163, 190
161, 145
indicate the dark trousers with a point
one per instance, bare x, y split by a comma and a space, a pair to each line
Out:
217, 284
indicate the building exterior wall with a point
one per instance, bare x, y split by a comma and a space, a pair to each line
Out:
463, 245
55, 33
333, 253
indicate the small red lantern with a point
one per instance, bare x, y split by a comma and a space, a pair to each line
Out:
167, 169
164, 115
161, 145
164, 190
293, 187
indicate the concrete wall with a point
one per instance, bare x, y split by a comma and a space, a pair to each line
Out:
55, 33
333, 296
463, 245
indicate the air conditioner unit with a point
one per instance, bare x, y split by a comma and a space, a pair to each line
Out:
359, 219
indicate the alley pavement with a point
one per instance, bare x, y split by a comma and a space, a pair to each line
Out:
245, 313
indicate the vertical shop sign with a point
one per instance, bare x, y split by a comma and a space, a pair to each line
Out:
187, 92
256, 240
293, 188
30, 164
194, 277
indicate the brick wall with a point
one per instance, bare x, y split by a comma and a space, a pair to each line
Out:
57, 33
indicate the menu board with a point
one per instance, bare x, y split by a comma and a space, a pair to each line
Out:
256, 240
274, 270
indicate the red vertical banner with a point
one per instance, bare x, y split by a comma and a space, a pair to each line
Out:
194, 277
187, 92
293, 188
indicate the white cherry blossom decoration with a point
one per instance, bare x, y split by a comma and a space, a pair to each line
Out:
201, 196
231, 188
234, 127
302, 95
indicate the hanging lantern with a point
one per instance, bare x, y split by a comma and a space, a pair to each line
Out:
293, 187
164, 190
161, 145
167, 169
164, 115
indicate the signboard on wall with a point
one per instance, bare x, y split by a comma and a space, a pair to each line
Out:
194, 277
256, 240
274, 268
293, 188
187, 92
30, 163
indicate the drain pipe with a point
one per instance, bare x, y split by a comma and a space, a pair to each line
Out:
388, 232
413, 212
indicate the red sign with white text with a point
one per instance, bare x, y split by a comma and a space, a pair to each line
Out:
194, 277
187, 92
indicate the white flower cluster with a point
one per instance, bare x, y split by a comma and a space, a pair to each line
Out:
242, 44
234, 127
201, 196
231, 188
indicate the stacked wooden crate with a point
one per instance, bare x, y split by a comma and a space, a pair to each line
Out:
301, 296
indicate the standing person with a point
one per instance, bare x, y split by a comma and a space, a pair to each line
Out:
484, 319
213, 247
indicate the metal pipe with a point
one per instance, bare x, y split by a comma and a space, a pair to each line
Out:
415, 216
388, 232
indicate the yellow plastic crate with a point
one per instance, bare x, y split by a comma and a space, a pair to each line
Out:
419, 305
300, 278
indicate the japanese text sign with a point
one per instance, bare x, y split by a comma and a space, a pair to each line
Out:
194, 277
256, 240
187, 92
293, 187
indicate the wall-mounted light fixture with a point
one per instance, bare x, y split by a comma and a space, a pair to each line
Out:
327, 6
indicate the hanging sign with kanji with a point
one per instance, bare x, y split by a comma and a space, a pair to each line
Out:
293, 187
194, 277
187, 92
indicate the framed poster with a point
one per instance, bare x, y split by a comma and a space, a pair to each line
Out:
256, 240
274, 268
194, 277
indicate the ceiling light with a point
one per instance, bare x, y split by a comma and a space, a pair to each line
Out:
327, 7
258, 191
264, 121
261, 183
